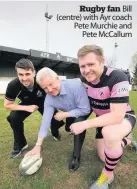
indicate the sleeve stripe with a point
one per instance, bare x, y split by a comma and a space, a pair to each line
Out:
12, 99
9, 98
119, 99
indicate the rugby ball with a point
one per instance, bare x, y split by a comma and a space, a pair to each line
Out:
30, 165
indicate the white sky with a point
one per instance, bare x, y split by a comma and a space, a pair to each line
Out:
23, 26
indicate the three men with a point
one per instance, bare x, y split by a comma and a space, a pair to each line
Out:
109, 96
69, 96
108, 93
31, 98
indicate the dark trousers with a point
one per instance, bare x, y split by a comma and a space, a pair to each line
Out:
16, 119
78, 139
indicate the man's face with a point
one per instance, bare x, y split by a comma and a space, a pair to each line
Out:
51, 85
91, 67
26, 77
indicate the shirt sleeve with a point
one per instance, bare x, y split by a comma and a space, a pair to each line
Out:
119, 88
82, 102
12, 90
47, 117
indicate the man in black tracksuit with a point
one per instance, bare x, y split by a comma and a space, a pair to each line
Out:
31, 98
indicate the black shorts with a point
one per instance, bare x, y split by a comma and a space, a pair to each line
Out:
130, 118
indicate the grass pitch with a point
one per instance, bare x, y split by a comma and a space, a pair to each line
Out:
54, 172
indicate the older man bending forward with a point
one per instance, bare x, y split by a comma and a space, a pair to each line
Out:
69, 96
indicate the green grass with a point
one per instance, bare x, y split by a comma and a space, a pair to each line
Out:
54, 172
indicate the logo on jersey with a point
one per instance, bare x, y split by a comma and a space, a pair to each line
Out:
101, 93
39, 94
123, 89
105, 104
25, 97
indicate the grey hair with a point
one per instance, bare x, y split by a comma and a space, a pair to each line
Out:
45, 73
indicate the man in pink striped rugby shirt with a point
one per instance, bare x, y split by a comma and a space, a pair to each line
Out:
108, 91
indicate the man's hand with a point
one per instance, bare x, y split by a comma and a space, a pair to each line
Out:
31, 108
61, 115
78, 127
11, 105
35, 151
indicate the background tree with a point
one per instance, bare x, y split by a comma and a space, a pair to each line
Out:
133, 68
111, 62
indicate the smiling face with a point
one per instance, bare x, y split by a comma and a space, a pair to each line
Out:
91, 66
51, 85
26, 77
